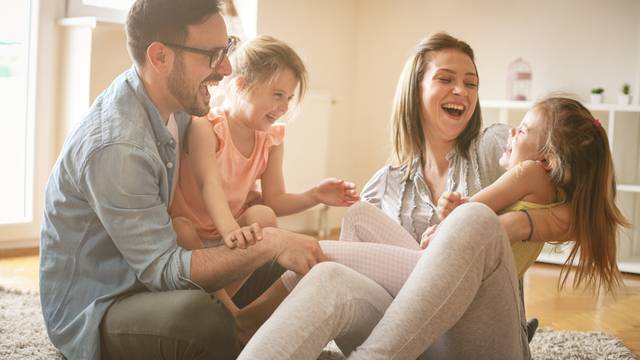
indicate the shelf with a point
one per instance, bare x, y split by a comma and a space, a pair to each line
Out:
628, 188
631, 266
87, 21
524, 105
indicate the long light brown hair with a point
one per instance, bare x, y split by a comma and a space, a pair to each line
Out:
406, 117
583, 169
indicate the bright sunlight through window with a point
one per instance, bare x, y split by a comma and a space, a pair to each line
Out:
15, 182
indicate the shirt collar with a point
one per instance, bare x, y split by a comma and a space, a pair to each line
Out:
160, 131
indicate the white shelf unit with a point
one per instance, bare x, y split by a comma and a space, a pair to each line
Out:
622, 123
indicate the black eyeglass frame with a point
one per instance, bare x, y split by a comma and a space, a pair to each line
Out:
215, 55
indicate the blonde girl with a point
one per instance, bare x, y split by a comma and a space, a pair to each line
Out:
560, 152
235, 145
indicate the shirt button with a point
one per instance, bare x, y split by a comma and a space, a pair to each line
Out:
169, 165
158, 143
171, 141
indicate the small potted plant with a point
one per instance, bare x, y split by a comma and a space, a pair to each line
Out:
596, 95
625, 97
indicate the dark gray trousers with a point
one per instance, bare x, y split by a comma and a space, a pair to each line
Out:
180, 324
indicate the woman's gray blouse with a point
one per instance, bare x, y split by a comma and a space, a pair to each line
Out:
409, 200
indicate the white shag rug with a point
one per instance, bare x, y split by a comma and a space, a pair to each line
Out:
23, 336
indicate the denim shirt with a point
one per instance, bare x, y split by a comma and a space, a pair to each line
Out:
408, 200
106, 230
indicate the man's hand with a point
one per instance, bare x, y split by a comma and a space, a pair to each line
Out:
448, 202
243, 237
335, 192
298, 253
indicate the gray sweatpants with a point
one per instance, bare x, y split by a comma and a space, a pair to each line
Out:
461, 301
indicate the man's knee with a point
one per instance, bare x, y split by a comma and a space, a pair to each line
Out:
180, 324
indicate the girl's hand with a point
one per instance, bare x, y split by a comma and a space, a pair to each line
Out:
428, 235
243, 237
335, 192
448, 202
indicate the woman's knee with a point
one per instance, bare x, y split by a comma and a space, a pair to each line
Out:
476, 213
475, 218
356, 213
261, 214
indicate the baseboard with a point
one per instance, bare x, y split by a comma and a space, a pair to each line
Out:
21, 247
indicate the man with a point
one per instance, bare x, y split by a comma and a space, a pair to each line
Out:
113, 282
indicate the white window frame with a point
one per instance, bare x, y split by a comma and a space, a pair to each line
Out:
41, 119
77, 8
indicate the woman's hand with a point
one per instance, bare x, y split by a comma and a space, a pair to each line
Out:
448, 202
428, 235
243, 237
335, 192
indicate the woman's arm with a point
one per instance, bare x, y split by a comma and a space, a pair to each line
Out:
329, 191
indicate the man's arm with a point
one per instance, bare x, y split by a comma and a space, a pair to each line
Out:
548, 224
214, 268
121, 183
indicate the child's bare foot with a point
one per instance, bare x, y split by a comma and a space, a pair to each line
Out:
251, 317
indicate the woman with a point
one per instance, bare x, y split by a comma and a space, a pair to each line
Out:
466, 278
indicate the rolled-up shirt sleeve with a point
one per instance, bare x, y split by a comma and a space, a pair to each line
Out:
122, 184
491, 145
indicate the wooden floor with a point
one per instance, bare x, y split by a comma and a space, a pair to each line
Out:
566, 310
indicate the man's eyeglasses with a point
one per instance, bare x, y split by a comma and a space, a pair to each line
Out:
215, 55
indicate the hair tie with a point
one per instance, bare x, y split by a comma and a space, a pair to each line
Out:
596, 123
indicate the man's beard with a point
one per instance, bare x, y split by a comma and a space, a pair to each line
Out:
180, 90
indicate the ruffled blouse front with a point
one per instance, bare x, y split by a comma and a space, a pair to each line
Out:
408, 199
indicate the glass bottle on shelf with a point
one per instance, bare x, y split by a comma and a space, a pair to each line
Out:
519, 81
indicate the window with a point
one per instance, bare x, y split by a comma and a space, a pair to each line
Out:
110, 10
16, 134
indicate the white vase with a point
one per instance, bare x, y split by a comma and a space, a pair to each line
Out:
596, 98
624, 99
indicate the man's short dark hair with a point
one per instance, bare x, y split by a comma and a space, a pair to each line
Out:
164, 21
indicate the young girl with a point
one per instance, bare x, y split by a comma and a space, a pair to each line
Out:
237, 144
559, 153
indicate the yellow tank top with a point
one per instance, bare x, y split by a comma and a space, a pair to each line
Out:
526, 252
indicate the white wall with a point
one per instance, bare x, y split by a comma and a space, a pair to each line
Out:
355, 49
323, 33
572, 45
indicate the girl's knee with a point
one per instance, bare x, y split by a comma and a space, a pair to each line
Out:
261, 214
